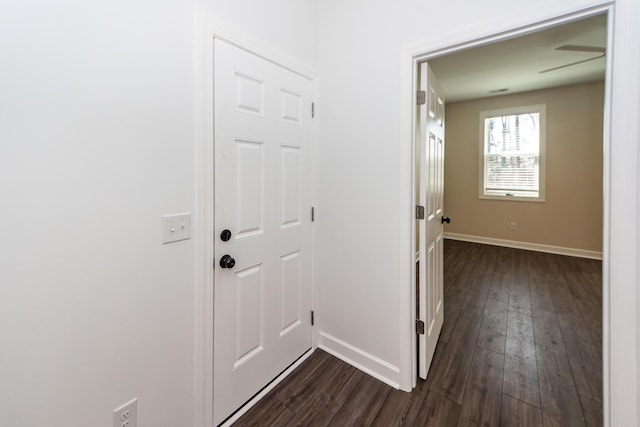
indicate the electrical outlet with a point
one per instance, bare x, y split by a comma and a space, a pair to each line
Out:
126, 415
514, 226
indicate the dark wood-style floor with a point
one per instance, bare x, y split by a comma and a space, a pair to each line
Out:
520, 346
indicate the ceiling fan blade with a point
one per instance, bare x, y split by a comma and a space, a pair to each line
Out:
573, 63
580, 48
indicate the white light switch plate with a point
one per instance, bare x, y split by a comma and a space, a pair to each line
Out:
176, 227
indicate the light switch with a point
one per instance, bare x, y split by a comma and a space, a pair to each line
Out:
176, 227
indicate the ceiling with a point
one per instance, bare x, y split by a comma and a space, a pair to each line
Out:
515, 64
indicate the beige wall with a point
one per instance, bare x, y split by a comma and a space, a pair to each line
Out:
571, 216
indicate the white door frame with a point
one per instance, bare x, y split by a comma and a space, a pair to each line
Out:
208, 29
412, 58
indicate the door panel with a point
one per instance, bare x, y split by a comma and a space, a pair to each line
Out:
431, 186
291, 278
249, 314
291, 106
290, 159
262, 185
249, 95
249, 189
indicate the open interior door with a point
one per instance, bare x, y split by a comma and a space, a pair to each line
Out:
431, 186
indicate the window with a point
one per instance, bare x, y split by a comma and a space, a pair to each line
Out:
512, 145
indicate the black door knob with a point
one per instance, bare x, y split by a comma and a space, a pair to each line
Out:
227, 261
445, 219
225, 235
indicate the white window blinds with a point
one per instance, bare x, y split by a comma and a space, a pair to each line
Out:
511, 155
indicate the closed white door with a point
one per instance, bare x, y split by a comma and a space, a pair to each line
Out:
431, 189
262, 223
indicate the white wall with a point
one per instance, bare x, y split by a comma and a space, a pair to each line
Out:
364, 162
96, 142
287, 28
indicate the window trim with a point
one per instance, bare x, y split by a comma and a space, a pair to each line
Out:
537, 108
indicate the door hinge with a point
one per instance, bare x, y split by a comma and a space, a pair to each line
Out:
313, 214
313, 110
419, 327
421, 98
313, 320
419, 212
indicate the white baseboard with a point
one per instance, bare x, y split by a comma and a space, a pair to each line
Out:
559, 250
367, 363
255, 399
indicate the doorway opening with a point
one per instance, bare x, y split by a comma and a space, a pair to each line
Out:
583, 50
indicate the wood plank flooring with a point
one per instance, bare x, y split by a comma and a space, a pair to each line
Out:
520, 346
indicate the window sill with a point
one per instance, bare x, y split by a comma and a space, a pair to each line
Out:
539, 199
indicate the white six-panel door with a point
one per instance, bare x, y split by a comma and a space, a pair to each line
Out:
431, 189
263, 197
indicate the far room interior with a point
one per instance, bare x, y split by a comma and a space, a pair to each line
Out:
525, 72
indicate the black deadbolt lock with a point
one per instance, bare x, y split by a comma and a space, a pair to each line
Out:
225, 235
445, 219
